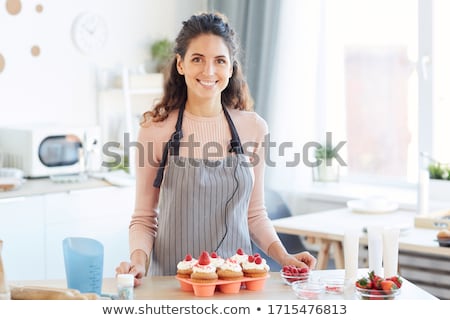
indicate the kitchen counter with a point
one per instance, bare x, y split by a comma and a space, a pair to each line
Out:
34, 187
43, 186
168, 288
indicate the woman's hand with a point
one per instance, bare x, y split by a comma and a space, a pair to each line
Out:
137, 270
302, 259
136, 267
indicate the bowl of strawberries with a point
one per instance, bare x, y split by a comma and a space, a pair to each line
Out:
375, 287
291, 274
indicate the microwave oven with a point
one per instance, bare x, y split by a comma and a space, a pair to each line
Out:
47, 150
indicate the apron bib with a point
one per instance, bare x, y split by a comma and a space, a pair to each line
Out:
203, 204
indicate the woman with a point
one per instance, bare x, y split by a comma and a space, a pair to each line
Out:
199, 188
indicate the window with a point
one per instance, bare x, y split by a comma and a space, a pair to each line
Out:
440, 80
375, 74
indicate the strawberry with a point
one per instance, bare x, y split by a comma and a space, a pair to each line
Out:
240, 252
304, 270
375, 279
364, 283
397, 280
204, 260
213, 255
388, 286
251, 259
258, 260
188, 257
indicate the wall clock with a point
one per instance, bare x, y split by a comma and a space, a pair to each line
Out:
89, 32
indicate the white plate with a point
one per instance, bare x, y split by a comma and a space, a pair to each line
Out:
361, 206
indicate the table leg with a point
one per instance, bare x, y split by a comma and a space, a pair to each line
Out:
338, 254
324, 254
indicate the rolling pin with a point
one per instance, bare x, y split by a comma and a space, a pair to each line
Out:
4, 290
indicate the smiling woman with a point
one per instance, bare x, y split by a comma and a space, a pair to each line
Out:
193, 203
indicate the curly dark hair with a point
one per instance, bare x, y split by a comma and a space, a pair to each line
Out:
235, 96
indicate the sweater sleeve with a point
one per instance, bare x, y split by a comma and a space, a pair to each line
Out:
143, 225
261, 229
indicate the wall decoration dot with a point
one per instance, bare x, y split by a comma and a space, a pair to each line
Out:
2, 63
13, 6
35, 51
39, 8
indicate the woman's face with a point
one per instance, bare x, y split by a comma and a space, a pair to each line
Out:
206, 67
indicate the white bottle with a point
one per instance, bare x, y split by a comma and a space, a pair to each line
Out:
125, 286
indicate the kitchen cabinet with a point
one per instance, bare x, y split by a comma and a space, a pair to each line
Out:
33, 226
103, 214
22, 231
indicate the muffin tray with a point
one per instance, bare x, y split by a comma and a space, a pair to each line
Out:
224, 286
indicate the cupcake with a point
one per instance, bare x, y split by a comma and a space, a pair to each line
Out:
203, 271
216, 261
184, 267
230, 270
255, 266
239, 256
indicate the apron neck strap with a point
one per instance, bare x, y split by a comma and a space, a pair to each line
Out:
235, 143
173, 145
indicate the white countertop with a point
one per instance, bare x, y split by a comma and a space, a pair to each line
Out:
34, 187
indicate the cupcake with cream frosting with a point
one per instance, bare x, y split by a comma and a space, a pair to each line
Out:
203, 271
240, 256
184, 267
216, 260
230, 270
255, 266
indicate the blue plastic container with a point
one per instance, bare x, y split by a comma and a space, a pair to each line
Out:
83, 261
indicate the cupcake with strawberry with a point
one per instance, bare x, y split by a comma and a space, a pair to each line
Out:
184, 267
203, 271
240, 256
230, 270
216, 260
255, 266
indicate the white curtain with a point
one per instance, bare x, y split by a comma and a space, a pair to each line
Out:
297, 97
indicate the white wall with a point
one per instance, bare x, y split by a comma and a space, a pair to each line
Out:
60, 84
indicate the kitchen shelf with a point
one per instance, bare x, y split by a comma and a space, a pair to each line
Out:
122, 103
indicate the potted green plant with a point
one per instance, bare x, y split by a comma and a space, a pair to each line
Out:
439, 184
162, 51
439, 171
326, 168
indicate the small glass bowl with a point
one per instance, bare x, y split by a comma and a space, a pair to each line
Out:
333, 285
376, 294
308, 290
290, 279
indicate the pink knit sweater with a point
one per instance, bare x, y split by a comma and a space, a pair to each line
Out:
251, 129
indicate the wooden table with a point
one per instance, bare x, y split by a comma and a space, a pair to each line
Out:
168, 288
328, 227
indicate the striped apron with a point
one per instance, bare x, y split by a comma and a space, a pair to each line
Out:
203, 203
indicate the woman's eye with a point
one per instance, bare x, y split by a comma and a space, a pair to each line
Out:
196, 59
221, 61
